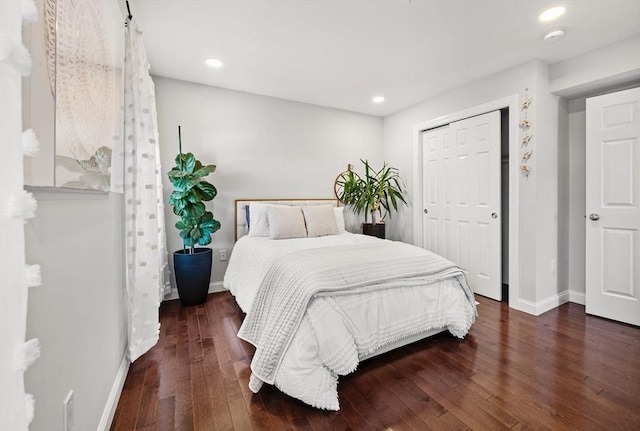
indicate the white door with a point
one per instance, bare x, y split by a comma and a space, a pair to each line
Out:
438, 171
461, 187
613, 206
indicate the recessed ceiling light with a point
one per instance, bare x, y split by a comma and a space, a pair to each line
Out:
554, 35
214, 62
378, 99
551, 14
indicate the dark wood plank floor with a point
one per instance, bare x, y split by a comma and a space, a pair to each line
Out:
560, 370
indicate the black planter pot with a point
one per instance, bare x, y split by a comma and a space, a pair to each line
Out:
373, 229
193, 274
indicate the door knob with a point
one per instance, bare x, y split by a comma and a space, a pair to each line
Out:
426, 211
494, 215
594, 217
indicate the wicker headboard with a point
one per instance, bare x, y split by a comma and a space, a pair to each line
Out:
241, 204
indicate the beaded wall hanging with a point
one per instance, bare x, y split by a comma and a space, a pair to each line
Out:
525, 125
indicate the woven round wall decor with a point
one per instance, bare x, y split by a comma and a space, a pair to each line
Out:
81, 75
341, 179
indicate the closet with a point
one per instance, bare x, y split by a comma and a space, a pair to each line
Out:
463, 199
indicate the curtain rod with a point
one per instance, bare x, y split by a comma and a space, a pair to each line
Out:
128, 10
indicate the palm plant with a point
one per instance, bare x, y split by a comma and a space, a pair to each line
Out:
196, 224
378, 191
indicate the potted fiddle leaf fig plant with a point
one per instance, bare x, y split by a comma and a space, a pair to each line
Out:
192, 264
377, 193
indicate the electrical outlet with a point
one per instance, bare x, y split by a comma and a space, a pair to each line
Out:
67, 417
554, 266
223, 255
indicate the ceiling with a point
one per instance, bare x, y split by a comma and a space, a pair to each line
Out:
340, 53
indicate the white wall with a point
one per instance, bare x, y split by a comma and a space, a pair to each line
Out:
564, 195
577, 197
263, 148
78, 313
538, 209
610, 66
547, 136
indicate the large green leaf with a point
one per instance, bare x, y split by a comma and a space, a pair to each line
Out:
179, 206
176, 173
195, 210
197, 166
194, 196
204, 240
175, 198
207, 190
178, 194
210, 226
190, 163
183, 184
182, 225
178, 160
207, 227
186, 162
204, 171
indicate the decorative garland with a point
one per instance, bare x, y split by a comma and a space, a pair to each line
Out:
525, 125
20, 206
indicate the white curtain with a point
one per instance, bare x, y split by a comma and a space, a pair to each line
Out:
16, 205
147, 277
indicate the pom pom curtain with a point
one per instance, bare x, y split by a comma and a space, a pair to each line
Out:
147, 279
16, 206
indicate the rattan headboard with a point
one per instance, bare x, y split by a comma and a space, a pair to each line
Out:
241, 222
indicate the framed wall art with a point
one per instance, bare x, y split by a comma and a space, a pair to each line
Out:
80, 76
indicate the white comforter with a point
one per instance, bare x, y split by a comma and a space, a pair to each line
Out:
338, 329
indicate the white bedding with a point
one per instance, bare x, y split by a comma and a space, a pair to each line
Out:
336, 331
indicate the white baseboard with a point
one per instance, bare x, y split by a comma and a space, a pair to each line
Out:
214, 287
577, 297
537, 308
114, 395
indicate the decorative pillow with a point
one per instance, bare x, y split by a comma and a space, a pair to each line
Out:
259, 220
320, 220
338, 212
285, 222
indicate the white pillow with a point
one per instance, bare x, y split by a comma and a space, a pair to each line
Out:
285, 222
338, 212
320, 220
259, 222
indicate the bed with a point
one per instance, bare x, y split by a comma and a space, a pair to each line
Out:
316, 306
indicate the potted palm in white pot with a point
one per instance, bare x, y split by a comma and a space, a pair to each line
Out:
192, 265
378, 193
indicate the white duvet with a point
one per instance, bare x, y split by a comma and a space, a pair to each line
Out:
337, 330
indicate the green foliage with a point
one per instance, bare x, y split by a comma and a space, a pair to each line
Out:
376, 192
196, 224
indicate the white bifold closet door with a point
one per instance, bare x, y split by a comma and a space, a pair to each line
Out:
613, 206
461, 198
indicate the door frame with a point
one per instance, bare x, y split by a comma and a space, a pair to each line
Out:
512, 103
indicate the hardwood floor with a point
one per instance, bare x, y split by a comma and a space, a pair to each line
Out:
560, 370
